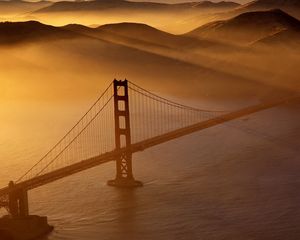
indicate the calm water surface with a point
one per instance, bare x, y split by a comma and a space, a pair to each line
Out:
236, 181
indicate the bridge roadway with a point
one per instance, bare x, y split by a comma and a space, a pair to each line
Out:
140, 146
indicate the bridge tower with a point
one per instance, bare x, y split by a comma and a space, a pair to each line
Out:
17, 201
124, 176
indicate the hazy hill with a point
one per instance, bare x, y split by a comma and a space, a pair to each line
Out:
18, 32
286, 39
222, 5
77, 58
100, 5
148, 38
292, 7
247, 27
270, 4
135, 30
21, 7
175, 18
135, 34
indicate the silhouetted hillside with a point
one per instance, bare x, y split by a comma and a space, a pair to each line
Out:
292, 7
15, 32
145, 37
270, 4
126, 29
247, 27
144, 33
101, 5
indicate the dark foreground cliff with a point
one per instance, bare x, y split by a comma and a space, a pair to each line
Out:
25, 228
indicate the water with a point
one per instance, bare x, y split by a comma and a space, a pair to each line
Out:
236, 181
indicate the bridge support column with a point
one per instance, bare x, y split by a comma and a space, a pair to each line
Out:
124, 176
17, 201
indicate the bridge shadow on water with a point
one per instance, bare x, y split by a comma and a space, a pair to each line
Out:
126, 212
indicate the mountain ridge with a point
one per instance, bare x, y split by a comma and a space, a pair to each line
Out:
9, 7
292, 7
247, 27
20, 32
100, 5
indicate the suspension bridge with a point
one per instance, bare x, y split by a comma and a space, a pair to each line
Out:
124, 120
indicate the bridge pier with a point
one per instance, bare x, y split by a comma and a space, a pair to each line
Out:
17, 201
20, 225
124, 175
